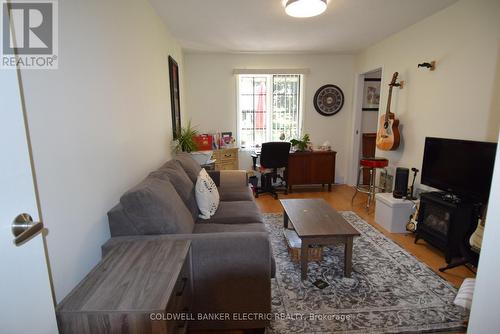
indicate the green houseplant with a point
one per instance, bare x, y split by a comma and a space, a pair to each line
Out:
302, 143
185, 139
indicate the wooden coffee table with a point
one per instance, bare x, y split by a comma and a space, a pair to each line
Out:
317, 223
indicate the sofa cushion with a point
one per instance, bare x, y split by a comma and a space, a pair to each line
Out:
119, 223
191, 167
173, 172
236, 212
219, 228
207, 195
236, 194
154, 207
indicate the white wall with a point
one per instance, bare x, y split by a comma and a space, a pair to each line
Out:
484, 314
211, 93
98, 124
457, 99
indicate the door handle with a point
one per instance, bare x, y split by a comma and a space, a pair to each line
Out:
23, 228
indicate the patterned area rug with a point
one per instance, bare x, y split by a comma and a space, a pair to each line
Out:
390, 291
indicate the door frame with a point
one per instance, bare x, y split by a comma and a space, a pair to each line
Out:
357, 115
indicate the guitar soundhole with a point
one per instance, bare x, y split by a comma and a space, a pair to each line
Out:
386, 125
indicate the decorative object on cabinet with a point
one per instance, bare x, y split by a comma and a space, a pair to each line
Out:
371, 94
226, 158
301, 144
175, 99
325, 146
328, 100
227, 139
203, 142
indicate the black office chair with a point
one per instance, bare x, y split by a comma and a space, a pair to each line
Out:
273, 155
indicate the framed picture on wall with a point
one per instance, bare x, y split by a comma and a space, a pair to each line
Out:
175, 98
371, 94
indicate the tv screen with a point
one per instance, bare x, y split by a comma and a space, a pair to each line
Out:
462, 167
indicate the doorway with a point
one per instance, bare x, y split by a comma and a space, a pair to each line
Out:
365, 120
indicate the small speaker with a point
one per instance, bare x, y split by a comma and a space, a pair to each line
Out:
401, 182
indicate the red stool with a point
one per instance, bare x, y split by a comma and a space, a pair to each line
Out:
372, 164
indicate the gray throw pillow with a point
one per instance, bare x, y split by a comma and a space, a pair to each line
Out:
172, 171
154, 207
191, 167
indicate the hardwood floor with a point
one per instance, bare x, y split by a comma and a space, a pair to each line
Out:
340, 199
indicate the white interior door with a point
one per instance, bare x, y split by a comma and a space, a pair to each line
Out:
26, 297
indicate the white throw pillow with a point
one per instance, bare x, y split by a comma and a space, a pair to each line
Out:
465, 293
207, 195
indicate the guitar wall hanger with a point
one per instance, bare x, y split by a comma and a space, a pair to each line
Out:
431, 66
399, 84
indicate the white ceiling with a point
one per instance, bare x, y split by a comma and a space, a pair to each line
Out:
347, 26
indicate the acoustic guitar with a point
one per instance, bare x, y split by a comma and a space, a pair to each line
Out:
388, 136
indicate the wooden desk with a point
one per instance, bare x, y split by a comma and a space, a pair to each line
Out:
317, 167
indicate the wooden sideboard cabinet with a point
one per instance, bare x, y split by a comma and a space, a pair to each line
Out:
226, 159
134, 289
317, 167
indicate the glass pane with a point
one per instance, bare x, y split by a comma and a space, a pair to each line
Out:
253, 110
246, 85
285, 108
260, 103
256, 124
259, 83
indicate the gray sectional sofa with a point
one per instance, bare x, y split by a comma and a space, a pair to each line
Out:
231, 252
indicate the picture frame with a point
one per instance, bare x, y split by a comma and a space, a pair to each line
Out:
226, 139
175, 99
371, 94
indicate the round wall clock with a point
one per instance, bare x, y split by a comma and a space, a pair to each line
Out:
328, 100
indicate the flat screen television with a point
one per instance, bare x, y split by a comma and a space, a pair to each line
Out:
461, 167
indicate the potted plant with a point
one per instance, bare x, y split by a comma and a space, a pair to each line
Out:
185, 139
301, 144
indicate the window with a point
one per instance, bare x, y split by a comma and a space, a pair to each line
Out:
269, 108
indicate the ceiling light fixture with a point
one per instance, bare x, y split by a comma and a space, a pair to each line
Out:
305, 8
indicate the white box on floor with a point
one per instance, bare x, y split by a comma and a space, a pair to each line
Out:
392, 213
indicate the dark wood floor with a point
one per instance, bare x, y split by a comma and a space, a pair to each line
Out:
340, 199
